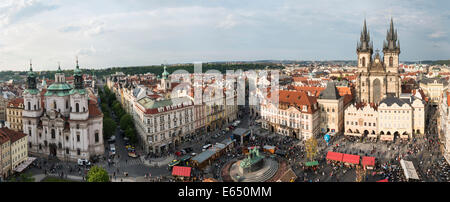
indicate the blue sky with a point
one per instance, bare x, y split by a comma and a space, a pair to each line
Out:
105, 33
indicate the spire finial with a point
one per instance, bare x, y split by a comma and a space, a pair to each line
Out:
31, 65
77, 62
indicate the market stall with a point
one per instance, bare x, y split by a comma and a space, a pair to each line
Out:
350, 159
269, 148
181, 172
334, 156
368, 162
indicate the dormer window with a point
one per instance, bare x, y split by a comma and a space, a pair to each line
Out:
305, 108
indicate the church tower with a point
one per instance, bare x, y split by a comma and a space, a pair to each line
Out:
364, 49
165, 82
391, 50
33, 109
78, 97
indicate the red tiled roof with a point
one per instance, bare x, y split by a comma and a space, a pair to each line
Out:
350, 158
335, 156
16, 102
3, 138
94, 111
299, 99
368, 161
181, 171
11, 134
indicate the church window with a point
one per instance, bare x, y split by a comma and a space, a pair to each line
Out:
67, 150
67, 104
96, 136
53, 133
54, 104
391, 61
29, 106
78, 138
77, 107
363, 62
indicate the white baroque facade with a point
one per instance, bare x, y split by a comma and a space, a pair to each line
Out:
61, 121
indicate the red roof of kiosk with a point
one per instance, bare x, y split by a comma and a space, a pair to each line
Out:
384, 180
181, 171
349, 158
368, 161
335, 156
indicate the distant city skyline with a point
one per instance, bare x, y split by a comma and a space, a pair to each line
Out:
111, 33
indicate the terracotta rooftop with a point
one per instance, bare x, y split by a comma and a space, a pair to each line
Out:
94, 111
12, 135
16, 103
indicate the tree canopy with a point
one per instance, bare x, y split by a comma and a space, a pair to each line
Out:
97, 174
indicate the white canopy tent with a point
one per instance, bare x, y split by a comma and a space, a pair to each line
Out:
24, 164
409, 170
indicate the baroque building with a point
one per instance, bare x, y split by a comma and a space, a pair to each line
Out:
377, 78
62, 121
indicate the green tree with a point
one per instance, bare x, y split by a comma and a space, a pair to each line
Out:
311, 148
97, 174
126, 121
130, 133
109, 127
118, 110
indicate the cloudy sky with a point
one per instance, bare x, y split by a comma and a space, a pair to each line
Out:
105, 33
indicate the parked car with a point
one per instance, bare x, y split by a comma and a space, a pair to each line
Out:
112, 149
112, 139
193, 154
82, 162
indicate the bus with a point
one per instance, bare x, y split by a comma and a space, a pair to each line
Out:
206, 147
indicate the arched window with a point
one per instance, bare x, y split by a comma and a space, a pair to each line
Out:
77, 107
67, 104
29, 106
54, 104
53, 133
363, 62
391, 61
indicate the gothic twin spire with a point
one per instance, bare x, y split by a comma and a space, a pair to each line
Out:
365, 45
390, 44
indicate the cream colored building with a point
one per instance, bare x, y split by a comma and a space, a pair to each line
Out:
444, 125
296, 115
5, 156
361, 119
14, 111
393, 118
434, 88
18, 146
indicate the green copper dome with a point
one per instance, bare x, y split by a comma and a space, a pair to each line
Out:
165, 74
77, 72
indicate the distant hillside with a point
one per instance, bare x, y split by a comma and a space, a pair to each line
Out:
442, 62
